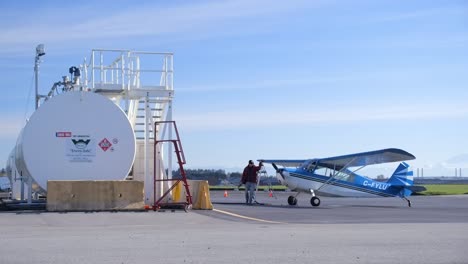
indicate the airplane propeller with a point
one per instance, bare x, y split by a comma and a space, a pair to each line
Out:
274, 166
279, 171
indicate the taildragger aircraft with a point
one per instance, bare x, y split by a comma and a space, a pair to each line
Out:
336, 176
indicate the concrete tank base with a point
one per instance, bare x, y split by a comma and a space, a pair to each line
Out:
95, 196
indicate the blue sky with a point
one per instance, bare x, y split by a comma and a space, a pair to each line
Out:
269, 79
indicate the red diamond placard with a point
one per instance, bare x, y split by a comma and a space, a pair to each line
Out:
105, 144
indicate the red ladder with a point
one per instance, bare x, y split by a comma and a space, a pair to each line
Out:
158, 204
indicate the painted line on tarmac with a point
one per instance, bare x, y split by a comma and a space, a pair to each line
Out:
246, 217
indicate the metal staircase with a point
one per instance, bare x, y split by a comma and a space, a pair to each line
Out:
140, 117
141, 83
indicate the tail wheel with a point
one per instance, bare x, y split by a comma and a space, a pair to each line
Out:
315, 201
292, 200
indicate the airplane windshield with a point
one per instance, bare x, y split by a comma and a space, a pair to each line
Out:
345, 175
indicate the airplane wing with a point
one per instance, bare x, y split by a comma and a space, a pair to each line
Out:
285, 163
366, 158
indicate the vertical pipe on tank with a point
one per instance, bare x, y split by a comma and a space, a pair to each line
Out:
12, 186
39, 52
22, 186
36, 81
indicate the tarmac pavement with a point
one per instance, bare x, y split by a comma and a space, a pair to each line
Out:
333, 210
217, 237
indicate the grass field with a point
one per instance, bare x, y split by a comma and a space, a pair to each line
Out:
432, 189
445, 189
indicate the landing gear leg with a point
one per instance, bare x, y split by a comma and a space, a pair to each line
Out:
409, 202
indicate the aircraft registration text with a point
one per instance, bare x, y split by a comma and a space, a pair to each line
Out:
377, 185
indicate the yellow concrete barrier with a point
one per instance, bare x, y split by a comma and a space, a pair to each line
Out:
203, 199
200, 191
177, 192
94, 195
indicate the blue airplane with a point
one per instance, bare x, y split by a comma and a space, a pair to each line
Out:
336, 176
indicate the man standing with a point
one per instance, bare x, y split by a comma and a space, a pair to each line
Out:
249, 178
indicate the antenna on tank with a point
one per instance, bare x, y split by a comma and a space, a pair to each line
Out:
40, 51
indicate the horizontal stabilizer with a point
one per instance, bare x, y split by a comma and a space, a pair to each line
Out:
416, 189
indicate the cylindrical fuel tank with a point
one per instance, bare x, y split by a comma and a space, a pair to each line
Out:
75, 136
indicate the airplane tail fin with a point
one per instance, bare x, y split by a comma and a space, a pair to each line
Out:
403, 177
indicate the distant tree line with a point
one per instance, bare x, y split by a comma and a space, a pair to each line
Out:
220, 177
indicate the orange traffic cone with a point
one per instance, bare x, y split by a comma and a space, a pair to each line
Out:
225, 193
270, 194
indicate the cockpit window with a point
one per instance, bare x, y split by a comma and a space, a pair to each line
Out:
310, 166
345, 175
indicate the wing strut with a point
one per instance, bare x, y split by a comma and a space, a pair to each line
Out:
336, 174
363, 166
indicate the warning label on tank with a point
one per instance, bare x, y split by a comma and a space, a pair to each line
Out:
63, 134
81, 148
105, 144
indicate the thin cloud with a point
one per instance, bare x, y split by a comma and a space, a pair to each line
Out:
264, 84
298, 78
424, 13
151, 20
457, 161
275, 116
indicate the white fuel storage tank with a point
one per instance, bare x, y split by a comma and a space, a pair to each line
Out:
75, 136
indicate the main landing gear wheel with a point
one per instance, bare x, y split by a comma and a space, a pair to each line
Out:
315, 201
292, 200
